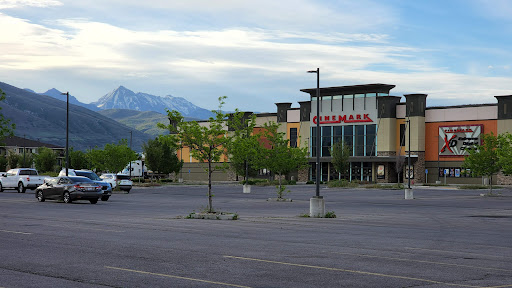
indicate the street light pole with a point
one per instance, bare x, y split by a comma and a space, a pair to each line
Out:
317, 203
131, 132
409, 158
317, 71
67, 131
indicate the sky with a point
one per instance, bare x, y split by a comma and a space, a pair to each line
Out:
257, 53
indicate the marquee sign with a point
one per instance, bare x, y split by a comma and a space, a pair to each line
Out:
335, 119
456, 140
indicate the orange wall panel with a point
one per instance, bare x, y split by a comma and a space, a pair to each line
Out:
432, 137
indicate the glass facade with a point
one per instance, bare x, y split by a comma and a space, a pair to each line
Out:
362, 139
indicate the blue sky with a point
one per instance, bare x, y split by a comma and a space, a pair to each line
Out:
257, 52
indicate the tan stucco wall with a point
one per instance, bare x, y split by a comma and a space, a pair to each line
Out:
386, 135
417, 134
504, 126
304, 132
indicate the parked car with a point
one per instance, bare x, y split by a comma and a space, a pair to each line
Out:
107, 189
69, 189
123, 181
21, 179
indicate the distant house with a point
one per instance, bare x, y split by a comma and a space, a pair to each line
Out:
23, 146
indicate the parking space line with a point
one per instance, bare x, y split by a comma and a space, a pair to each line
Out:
86, 228
455, 252
16, 232
177, 277
353, 271
424, 261
510, 285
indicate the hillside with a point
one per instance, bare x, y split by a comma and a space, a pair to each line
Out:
43, 118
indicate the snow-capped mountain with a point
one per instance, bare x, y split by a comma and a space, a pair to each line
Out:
72, 100
123, 98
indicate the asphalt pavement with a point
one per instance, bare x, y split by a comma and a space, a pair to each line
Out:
445, 237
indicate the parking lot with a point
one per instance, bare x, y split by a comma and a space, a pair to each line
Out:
444, 238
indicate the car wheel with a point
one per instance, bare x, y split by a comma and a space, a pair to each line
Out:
1, 188
21, 188
40, 196
66, 197
128, 191
93, 201
104, 198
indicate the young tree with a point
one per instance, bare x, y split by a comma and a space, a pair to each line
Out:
280, 158
207, 143
243, 144
6, 127
45, 160
96, 159
505, 153
340, 153
399, 166
483, 159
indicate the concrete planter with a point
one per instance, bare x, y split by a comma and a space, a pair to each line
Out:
213, 216
280, 199
247, 188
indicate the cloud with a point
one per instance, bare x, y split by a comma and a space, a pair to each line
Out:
9, 4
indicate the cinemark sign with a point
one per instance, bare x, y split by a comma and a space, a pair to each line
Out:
334, 119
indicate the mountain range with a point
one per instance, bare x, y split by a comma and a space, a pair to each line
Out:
43, 118
123, 98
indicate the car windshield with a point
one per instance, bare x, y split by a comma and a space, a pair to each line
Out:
80, 179
90, 175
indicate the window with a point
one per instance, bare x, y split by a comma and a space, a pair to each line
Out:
359, 140
370, 140
402, 135
348, 136
293, 137
326, 141
313, 141
336, 134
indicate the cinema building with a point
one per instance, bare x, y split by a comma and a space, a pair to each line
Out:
384, 129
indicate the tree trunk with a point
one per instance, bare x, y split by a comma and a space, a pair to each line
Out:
210, 207
280, 191
246, 172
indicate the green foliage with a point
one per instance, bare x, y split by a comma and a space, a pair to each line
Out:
342, 183
13, 160
6, 127
45, 160
161, 155
281, 190
484, 160
113, 157
78, 159
280, 158
505, 153
243, 147
330, 214
340, 153
207, 141
3, 163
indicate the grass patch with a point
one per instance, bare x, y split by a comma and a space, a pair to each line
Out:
471, 187
342, 184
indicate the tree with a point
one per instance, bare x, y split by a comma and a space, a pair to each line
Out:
505, 153
280, 158
6, 127
207, 143
45, 160
243, 145
340, 154
96, 159
161, 155
78, 159
399, 166
3, 163
483, 159
13, 160
112, 158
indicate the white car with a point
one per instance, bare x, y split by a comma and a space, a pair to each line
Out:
122, 180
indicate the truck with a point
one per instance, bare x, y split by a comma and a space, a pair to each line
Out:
21, 179
138, 169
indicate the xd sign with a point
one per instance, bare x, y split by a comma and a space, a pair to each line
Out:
456, 140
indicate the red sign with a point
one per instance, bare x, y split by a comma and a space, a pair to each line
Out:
334, 119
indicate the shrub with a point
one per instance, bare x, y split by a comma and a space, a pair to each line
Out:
330, 214
342, 183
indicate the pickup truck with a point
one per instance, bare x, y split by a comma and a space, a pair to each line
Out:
21, 179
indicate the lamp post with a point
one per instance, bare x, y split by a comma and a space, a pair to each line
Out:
131, 132
317, 204
408, 191
67, 131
